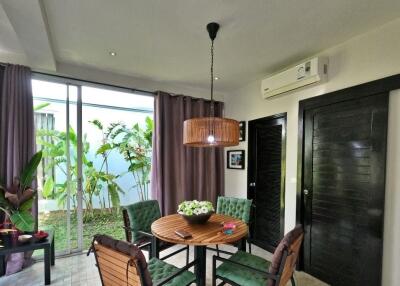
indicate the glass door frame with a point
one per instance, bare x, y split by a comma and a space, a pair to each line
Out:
68, 82
79, 209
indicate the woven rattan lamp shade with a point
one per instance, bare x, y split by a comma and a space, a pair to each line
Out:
196, 132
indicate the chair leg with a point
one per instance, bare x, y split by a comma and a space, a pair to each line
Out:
293, 280
214, 266
217, 249
187, 255
249, 247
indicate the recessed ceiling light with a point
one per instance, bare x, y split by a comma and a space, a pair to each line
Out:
216, 78
113, 54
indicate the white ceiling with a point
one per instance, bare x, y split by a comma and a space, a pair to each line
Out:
167, 40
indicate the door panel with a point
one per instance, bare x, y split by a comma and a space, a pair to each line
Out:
344, 188
266, 179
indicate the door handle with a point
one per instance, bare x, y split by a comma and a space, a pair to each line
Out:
252, 184
306, 192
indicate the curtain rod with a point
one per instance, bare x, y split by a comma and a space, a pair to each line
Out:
144, 92
135, 90
147, 93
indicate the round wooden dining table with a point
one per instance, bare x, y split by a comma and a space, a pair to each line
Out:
210, 233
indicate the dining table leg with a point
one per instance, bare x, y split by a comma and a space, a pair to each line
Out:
200, 266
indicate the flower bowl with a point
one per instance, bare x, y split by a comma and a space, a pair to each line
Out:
196, 212
197, 219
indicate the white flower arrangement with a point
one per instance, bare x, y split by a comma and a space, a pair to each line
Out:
195, 207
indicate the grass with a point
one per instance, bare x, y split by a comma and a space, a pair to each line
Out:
103, 221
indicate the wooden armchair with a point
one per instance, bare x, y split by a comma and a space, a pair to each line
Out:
122, 263
246, 269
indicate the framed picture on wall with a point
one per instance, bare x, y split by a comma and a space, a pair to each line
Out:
235, 159
242, 131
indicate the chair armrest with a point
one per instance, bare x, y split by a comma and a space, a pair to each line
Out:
144, 245
145, 233
269, 275
139, 231
180, 271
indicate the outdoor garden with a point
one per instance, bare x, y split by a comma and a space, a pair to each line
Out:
120, 144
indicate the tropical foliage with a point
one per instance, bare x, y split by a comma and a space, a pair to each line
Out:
134, 144
16, 201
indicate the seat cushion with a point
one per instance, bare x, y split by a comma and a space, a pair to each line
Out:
241, 275
160, 270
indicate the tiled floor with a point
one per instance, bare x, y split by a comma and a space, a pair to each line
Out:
80, 270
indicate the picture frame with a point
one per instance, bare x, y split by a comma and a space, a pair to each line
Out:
242, 131
235, 159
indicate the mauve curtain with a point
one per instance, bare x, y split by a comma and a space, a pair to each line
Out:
17, 139
178, 172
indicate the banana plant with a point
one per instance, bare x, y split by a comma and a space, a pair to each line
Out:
95, 178
16, 201
135, 145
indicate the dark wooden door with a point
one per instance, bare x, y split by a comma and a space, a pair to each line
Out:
344, 189
266, 179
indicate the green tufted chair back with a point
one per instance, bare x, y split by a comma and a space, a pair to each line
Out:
141, 216
234, 207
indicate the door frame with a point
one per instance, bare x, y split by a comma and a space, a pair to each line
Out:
250, 166
375, 87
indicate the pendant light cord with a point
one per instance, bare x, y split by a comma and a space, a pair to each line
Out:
212, 78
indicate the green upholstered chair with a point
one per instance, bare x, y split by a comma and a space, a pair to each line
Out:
234, 207
138, 218
237, 208
123, 263
246, 269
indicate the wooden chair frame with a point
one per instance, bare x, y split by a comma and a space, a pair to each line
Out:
276, 277
289, 258
141, 272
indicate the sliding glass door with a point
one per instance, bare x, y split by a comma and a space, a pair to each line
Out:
56, 122
112, 124
97, 152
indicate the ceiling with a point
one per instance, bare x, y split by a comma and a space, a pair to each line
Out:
167, 41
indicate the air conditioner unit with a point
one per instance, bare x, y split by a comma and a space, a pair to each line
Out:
312, 71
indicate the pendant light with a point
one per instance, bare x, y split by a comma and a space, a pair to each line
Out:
211, 131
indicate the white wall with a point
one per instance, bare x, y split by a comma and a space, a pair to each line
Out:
367, 57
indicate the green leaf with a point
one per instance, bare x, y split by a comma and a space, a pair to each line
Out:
41, 106
3, 201
27, 205
30, 169
23, 220
112, 189
48, 187
97, 123
104, 148
149, 123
